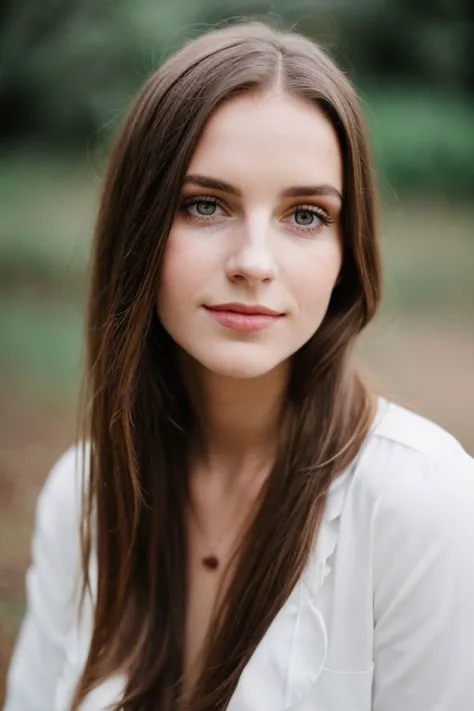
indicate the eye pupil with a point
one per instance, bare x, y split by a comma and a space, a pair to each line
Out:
205, 207
304, 218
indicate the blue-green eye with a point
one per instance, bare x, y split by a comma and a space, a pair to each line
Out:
205, 207
306, 218
310, 218
200, 207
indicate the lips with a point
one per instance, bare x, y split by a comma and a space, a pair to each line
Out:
244, 317
252, 310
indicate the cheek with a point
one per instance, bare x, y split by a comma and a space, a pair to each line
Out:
177, 256
315, 280
188, 257
172, 284
179, 273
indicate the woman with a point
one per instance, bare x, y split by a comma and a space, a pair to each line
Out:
259, 531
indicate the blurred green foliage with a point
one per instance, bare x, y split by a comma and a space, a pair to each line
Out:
47, 209
423, 141
69, 69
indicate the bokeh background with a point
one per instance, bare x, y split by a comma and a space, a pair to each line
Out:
68, 69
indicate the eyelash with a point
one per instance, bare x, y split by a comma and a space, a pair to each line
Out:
313, 209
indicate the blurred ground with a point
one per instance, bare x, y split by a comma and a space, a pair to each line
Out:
419, 351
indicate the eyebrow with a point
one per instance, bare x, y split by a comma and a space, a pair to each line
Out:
203, 181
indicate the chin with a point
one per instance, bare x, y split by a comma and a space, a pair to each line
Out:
238, 368
234, 364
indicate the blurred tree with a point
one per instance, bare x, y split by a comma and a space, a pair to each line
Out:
68, 68
60, 62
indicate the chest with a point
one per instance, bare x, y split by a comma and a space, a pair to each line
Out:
317, 655
205, 587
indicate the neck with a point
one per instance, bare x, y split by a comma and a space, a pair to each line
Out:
238, 420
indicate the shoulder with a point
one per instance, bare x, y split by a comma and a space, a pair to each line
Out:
408, 449
413, 433
415, 473
62, 489
59, 505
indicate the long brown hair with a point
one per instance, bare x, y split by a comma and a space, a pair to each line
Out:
138, 417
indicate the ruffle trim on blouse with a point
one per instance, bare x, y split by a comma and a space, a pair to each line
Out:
319, 566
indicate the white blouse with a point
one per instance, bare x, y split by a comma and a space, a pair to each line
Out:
382, 618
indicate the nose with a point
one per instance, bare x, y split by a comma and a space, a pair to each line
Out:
252, 260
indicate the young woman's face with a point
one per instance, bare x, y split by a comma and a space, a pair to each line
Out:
255, 248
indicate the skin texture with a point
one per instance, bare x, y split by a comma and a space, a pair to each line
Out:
259, 248
254, 248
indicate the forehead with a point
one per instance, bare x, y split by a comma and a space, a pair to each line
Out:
273, 137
